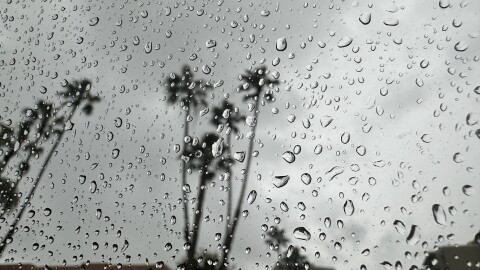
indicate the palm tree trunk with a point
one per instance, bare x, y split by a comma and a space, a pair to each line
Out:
184, 182
227, 244
11, 231
198, 215
37, 141
229, 182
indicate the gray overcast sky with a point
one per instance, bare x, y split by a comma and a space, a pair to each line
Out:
375, 89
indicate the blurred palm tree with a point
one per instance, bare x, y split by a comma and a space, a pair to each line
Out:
48, 120
226, 117
8, 195
191, 94
257, 86
202, 156
277, 239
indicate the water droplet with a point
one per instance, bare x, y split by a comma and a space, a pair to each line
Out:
426, 138
391, 22
306, 178
439, 214
458, 157
206, 69
210, 43
348, 208
414, 235
461, 46
264, 13
115, 153
472, 119
444, 3
327, 222
289, 157
400, 227
345, 42
284, 207
98, 213
301, 233
334, 172
47, 212
239, 156
280, 181
217, 147
93, 187
361, 150
468, 190
148, 47
82, 179
93, 21
43, 90
281, 44
318, 149
365, 18
290, 251
252, 196
345, 138
476, 90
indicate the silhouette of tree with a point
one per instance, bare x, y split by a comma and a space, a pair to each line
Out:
201, 156
257, 86
208, 261
276, 239
8, 195
225, 116
191, 94
76, 95
292, 260
40, 118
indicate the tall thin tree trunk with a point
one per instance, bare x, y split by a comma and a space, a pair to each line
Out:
229, 195
37, 141
229, 182
29, 198
184, 181
231, 235
198, 215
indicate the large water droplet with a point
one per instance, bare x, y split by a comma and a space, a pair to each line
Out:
302, 234
239, 156
400, 227
281, 180
391, 22
365, 18
344, 42
284, 206
306, 178
288, 156
93, 21
468, 190
461, 46
414, 235
251, 196
439, 214
348, 208
281, 44
217, 147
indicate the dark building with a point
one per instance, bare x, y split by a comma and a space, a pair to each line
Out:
465, 257
92, 266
